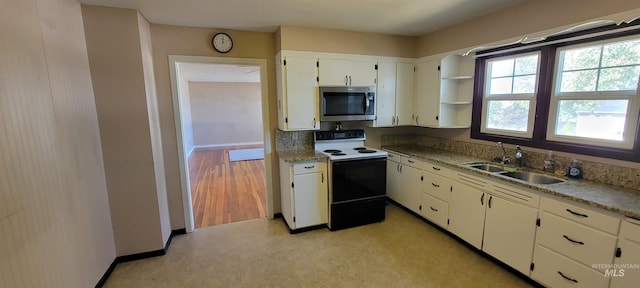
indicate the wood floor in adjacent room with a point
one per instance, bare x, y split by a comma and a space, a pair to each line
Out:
223, 191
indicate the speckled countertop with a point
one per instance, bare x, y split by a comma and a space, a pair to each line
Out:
624, 201
301, 155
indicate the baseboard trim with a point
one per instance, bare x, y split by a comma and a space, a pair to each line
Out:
226, 144
139, 256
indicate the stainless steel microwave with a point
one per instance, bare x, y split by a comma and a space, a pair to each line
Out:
347, 103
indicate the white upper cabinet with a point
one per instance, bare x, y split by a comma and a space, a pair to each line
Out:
342, 72
404, 94
386, 95
427, 106
444, 91
298, 103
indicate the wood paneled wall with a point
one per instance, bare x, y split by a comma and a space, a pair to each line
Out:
55, 224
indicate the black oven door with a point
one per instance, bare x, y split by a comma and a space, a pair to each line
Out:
358, 179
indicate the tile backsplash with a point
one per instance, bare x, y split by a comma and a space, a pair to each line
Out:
594, 171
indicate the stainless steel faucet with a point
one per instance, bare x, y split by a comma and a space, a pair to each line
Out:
505, 159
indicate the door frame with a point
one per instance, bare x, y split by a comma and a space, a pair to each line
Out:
174, 61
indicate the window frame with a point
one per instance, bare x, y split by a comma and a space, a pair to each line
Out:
546, 82
557, 96
531, 97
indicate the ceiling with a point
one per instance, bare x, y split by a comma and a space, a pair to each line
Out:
396, 17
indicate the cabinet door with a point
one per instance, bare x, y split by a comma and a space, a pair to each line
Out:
393, 180
629, 254
386, 95
466, 213
509, 232
333, 72
301, 94
427, 103
404, 94
362, 73
411, 189
310, 199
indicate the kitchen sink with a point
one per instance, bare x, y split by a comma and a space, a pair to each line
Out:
534, 178
487, 167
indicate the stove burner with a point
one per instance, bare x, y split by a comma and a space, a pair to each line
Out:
366, 151
332, 151
360, 148
338, 154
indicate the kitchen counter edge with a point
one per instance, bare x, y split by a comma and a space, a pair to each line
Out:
300, 155
620, 200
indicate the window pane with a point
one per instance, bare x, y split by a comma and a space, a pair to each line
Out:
500, 86
622, 53
501, 68
524, 84
526, 65
583, 58
508, 115
579, 81
597, 119
617, 79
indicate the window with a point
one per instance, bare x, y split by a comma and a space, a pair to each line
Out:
576, 95
595, 90
510, 95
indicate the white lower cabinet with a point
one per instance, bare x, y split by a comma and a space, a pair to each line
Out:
573, 246
434, 210
509, 232
466, 213
304, 193
626, 273
403, 181
554, 270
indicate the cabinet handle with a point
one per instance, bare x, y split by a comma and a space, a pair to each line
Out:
346, 80
572, 241
435, 168
398, 168
565, 277
314, 122
410, 161
416, 120
309, 167
577, 214
433, 209
322, 177
490, 198
349, 80
482, 199
435, 185
618, 252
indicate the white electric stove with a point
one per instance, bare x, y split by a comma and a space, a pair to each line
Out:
345, 145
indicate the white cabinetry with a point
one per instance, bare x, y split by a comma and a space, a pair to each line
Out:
297, 93
444, 91
627, 254
304, 193
499, 219
342, 72
427, 89
404, 93
394, 94
403, 181
436, 194
570, 239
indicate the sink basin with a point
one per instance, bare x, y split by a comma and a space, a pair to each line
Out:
487, 167
534, 178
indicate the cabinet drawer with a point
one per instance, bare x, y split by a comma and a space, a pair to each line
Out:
309, 167
413, 162
437, 186
435, 210
576, 241
437, 169
554, 270
631, 230
393, 156
585, 216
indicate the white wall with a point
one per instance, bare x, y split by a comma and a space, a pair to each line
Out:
55, 225
185, 111
226, 113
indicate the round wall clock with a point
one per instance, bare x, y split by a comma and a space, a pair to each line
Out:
222, 42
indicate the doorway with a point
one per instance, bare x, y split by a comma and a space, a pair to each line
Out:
220, 106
